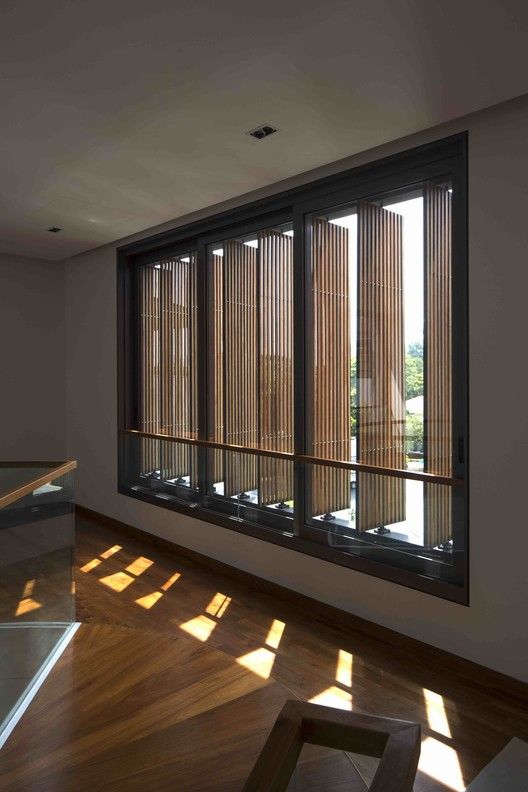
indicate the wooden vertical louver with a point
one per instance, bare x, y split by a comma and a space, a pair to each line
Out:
330, 488
381, 366
438, 366
240, 365
216, 366
275, 367
168, 384
251, 364
149, 320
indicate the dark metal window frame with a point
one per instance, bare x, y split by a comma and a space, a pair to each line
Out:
446, 158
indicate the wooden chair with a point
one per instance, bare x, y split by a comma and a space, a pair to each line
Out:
396, 743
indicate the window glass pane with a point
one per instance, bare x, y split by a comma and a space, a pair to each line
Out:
163, 468
167, 344
351, 528
383, 377
250, 487
381, 361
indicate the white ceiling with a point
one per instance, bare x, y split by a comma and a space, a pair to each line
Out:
119, 115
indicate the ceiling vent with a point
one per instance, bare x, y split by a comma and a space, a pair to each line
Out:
261, 132
54, 230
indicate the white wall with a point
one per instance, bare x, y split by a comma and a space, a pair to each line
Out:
32, 377
493, 630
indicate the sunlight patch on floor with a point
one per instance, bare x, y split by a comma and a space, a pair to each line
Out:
28, 588
334, 697
118, 581
260, 661
168, 583
26, 605
274, 635
344, 668
149, 600
201, 627
436, 713
218, 605
138, 566
440, 762
111, 551
91, 565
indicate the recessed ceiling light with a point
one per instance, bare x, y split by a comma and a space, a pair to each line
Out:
261, 132
54, 229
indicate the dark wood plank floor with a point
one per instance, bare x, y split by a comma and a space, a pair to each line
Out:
129, 583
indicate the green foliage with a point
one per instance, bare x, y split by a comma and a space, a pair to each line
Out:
413, 377
414, 384
414, 432
415, 350
414, 371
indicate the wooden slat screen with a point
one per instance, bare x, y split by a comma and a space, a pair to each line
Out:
438, 363
275, 364
216, 366
330, 489
252, 364
168, 365
381, 366
240, 364
149, 319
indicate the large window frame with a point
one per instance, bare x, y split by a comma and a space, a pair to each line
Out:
444, 158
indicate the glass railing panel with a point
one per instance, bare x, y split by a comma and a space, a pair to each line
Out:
37, 596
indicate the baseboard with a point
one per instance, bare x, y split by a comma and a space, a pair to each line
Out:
473, 674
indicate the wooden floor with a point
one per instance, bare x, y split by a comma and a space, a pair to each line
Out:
137, 715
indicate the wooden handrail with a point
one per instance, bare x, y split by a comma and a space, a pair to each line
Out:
60, 469
412, 475
395, 742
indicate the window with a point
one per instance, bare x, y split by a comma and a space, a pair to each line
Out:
297, 370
